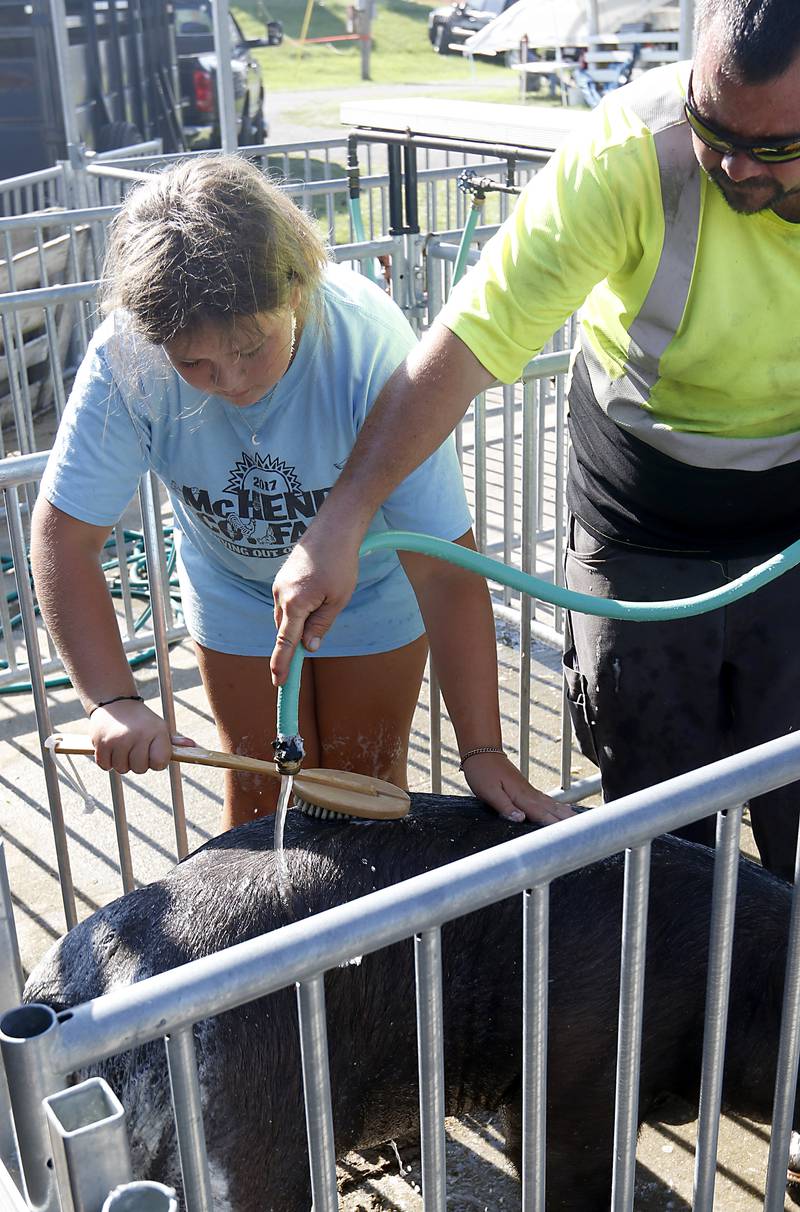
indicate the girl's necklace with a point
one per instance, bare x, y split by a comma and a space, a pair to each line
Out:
265, 400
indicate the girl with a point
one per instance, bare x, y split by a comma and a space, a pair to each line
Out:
238, 364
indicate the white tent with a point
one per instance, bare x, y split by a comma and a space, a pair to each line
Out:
556, 23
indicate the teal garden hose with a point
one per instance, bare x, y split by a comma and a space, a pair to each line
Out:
558, 595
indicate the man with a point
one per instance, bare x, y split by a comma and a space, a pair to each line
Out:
674, 218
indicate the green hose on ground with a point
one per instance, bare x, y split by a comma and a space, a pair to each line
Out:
558, 595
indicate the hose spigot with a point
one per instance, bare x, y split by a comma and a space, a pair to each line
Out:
289, 753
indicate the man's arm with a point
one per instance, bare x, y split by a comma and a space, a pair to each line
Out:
419, 406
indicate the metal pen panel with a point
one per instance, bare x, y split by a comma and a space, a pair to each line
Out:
536, 951
430, 1046
629, 1042
723, 908
317, 1093
187, 1104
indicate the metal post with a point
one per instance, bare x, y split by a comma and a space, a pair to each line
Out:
151, 522
58, 17
317, 1093
10, 996
186, 1100
629, 1042
430, 1046
686, 30
27, 1038
226, 106
364, 29
592, 17
536, 930
788, 1058
723, 908
89, 1142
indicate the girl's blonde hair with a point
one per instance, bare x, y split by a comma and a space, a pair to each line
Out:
209, 239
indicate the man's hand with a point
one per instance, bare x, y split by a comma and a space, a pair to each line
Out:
314, 584
496, 780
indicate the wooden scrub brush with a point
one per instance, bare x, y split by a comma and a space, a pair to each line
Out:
320, 793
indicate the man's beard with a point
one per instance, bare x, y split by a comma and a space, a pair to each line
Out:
750, 197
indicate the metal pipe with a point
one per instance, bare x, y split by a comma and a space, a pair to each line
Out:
10, 996
89, 1144
629, 1040
28, 1040
317, 1093
151, 524
536, 950
430, 1049
226, 105
723, 909
788, 1057
187, 1104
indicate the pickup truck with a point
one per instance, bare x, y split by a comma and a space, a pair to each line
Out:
197, 71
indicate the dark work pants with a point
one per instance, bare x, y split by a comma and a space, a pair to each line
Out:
653, 700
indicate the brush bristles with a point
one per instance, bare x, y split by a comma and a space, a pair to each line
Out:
321, 814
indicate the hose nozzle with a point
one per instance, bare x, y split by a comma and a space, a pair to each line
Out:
289, 753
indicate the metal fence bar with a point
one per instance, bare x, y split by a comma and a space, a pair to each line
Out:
529, 472
151, 523
430, 1047
10, 996
317, 1093
536, 946
723, 908
479, 454
434, 729
121, 830
788, 1056
629, 1043
509, 478
186, 1100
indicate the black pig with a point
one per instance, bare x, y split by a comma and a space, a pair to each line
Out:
249, 1059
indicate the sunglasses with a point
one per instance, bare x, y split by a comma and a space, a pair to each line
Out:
770, 151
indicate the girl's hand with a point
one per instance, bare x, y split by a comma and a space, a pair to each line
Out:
130, 738
493, 778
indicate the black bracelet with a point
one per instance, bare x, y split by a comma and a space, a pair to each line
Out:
121, 698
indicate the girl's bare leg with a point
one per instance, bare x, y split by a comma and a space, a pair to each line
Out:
364, 707
244, 703
355, 714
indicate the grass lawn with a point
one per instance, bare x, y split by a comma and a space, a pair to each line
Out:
401, 52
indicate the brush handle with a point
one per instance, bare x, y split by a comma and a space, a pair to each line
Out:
79, 742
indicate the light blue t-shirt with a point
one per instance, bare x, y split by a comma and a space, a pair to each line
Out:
239, 507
